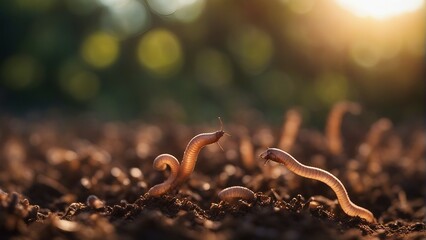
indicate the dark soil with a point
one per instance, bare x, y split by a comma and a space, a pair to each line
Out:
48, 170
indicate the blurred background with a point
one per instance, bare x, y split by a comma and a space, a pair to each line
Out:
193, 60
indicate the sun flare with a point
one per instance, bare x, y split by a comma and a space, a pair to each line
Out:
380, 9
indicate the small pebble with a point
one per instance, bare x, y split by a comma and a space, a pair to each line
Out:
94, 202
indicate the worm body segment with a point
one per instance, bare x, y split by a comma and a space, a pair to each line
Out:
246, 152
191, 153
277, 155
231, 194
374, 136
290, 129
334, 123
160, 163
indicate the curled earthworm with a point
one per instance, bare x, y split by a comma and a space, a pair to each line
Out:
232, 194
291, 126
191, 153
160, 163
334, 122
279, 156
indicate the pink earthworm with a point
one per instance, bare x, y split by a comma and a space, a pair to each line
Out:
280, 156
231, 194
290, 129
191, 153
334, 122
246, 152
374, 136
160, 163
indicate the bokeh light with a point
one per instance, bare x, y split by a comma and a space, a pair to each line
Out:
100, 49
380, 9
300, 6
189, 10
21, 71
126, 19
163, 7
209, 58
365, 54
78, 83
182, 10
111, 3
252, 49
159, 51
213, 68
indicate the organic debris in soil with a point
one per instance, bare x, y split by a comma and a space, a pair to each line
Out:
90, 181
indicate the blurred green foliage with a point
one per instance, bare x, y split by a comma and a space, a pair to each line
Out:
193, 60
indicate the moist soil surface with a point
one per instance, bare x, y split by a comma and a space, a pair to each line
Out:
86, 179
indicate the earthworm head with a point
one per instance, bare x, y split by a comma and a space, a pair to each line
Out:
221, 132
269, 155
354, 108
159, 166
217, 136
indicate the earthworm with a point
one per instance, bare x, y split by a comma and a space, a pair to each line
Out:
246, 152
335, 121
160, 163
290, 128
191, 153
279, 156
231, 194
374, 136
418, 146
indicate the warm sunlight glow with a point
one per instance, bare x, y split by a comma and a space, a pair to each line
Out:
380, 9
